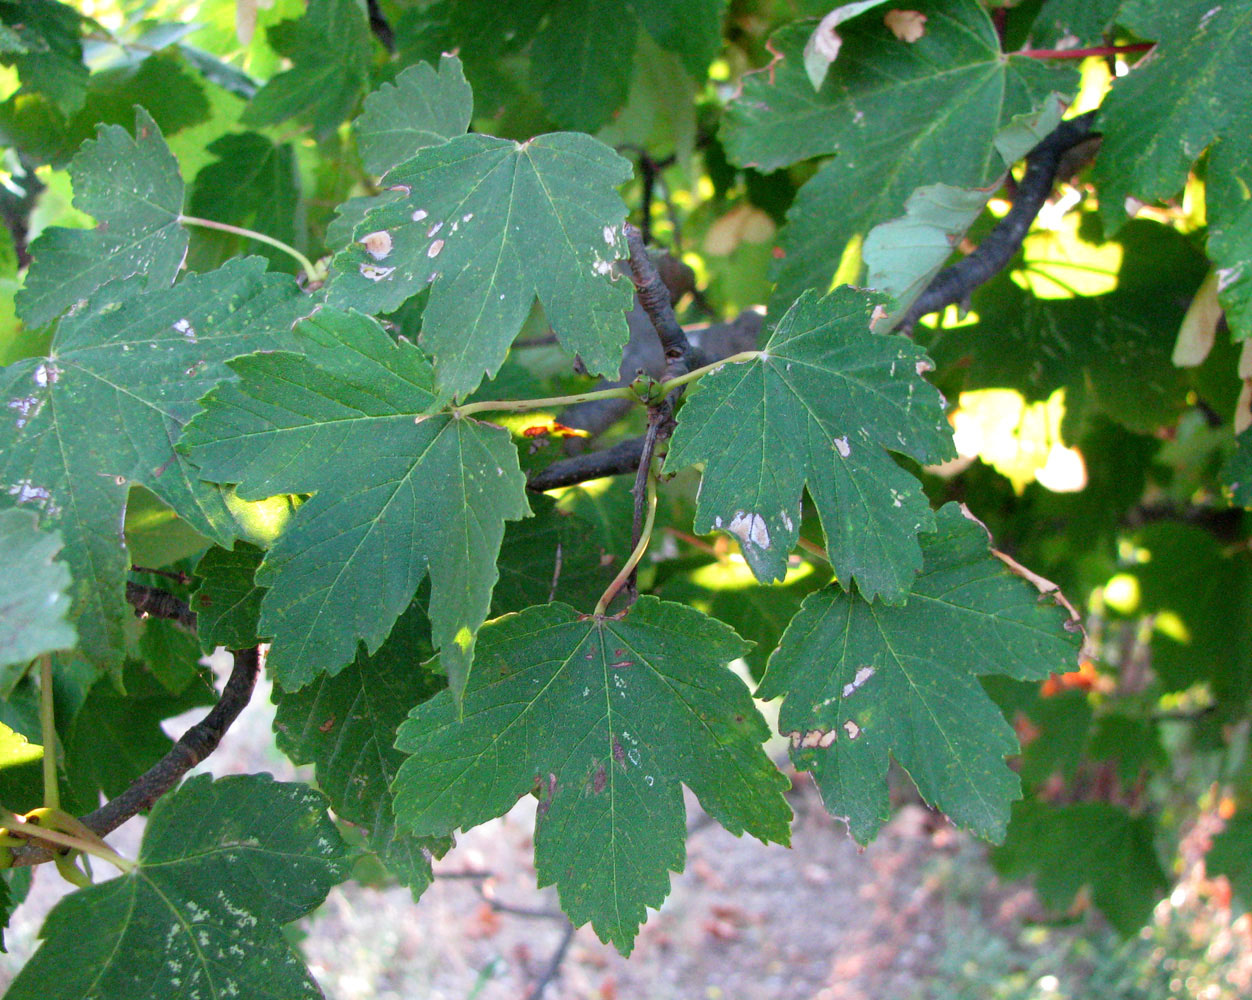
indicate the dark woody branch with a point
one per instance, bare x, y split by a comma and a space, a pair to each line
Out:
955, 284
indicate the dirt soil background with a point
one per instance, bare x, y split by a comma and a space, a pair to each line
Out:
918, 915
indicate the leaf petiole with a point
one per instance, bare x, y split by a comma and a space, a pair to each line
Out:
523, 405
667, 386
644, 537
313, 272
47, 726
14, 824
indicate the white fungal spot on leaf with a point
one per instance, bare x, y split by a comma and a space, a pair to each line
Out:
863, 674
786, 521
467, 216
419, 215
841, 444
609, 234
435, 248
434, 229
47, 373
852, 729
602, 267
750, 528
924, 366
378, 244
373, 273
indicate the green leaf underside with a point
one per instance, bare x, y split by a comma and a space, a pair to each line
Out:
606, 719
329, 49
1204, 50
490, 224
929, 111
346, 726
821, 408
424, 107
131, 186
33, 590
1089, 843
228, 601
396, 494
222, 866
103, 409
863, 682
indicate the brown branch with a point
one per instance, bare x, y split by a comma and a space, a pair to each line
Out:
955, 284
621, 458
553, 968
194, 746
680, 355
1098, 50
160, 604
380, 26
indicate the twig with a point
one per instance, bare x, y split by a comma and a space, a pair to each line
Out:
553, 967
160, 604
380, 26
1099, 50
194, 746
621, 458
655, 299
177, 575
954, 284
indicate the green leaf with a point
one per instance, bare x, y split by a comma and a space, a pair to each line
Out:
606, 719
1090, 843
133, 190
103, 409
228, 603
1237, 474
21, 772
254, 184
692, 29
395, 496
898, 116
223, 864
581, 59
1073, 22
49, 60
1231, 855
821, 407
864, 682
116, 736
346, 726
1149, 145
1230, 247
330, 50
424, 107
33, 590
490, 224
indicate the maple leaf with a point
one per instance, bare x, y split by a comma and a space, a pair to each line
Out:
133, 189
1148, 148
318, 87
821, 406
101, 412
606, 719
222, 866
424, 107
228, 602
1087, 843
33, 598
396, 493
929, 111
863, 682
345, 725
489, 224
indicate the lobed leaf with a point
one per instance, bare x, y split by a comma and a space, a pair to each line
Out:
489, 224
424, 107
223, 864
605, 719
103, 409
865, 682
397, 494
133, 190
821, 407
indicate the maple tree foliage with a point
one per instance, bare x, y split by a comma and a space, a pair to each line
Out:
541, 414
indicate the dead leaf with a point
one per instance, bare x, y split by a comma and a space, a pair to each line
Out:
1199, 326
906, 25
742, 224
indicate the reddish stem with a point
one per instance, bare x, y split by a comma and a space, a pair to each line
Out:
1100, 50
